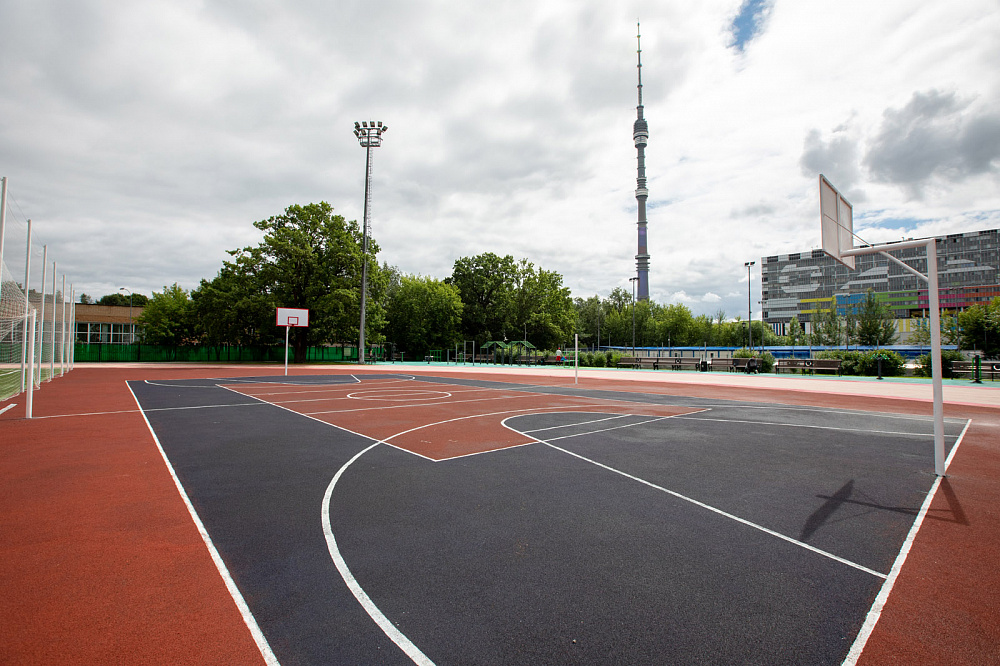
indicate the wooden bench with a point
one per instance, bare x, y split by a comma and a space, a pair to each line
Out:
627, 362
649, 362
808, 364
682, 363
990, 369
729, 364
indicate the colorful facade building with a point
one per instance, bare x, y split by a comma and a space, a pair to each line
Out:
808, 284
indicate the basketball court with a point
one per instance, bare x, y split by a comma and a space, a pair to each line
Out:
395, 518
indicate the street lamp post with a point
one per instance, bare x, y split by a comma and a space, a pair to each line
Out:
633, 280
131, 335
748, 264
369, 134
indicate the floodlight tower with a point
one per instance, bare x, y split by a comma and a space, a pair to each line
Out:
369, 134
640, 134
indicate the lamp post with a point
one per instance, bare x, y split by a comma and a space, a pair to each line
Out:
748, 264
633, 280
131, 334
369, 135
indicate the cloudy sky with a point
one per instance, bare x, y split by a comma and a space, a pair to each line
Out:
144, 138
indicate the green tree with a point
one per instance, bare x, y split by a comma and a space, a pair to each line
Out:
673, 325
980, 325
876, 324
486, 284
507, 299
423, 314
85, 299
829, 330
921, 334
122, 300
794, 332
167, 318
230, 310
309, 258
590, 319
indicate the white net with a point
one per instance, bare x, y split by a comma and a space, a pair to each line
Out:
28, 262
12, 309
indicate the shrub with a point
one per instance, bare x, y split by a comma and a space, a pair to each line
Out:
866, 363
766, 359
599, 359
948, 356
612, 358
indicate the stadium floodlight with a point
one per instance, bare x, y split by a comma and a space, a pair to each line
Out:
370, 136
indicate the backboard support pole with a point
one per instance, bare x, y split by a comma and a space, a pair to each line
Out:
935, 316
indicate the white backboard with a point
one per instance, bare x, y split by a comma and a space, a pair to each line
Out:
293, 317
837, 222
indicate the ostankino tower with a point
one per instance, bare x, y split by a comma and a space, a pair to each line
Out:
640, 133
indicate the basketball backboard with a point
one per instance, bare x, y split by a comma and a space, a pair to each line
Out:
837, 222
293, 317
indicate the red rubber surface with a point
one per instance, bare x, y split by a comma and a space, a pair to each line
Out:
100, 561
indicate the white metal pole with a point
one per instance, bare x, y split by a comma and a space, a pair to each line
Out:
52, 358
3, 215
41, 319
62, 329
27, 308
31, 354
72, 327
576, 358
287, 328
932, 292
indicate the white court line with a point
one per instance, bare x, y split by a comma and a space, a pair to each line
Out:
867, 431
13, 404
234, 592
725, 514
875, 612
386, 625
570, 425
383, 623
318, 388
589, 432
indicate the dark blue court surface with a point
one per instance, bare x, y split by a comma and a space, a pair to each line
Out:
736, 533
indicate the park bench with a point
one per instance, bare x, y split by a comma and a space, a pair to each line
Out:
990, 369
683, 363
627, 362
649, 362
729, 364
808, 364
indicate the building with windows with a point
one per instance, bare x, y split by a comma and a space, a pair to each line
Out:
107, 324
806, 285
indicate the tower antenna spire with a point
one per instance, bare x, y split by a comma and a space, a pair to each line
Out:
638, 41
640, 134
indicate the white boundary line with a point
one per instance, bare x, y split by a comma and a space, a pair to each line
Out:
875, 612
241, 604
812, 427
386, 625
673, 493
13, 404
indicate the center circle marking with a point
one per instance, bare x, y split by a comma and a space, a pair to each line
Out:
398, 395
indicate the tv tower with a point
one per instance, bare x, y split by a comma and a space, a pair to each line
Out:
640, 133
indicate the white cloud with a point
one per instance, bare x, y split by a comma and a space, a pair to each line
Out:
145, 139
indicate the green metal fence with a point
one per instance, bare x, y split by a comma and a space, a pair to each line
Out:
111, 353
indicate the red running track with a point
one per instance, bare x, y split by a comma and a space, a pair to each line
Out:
101, 562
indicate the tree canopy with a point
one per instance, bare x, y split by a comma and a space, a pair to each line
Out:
309, 258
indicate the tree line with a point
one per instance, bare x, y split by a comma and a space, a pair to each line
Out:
312, 258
